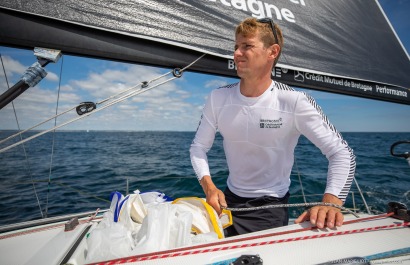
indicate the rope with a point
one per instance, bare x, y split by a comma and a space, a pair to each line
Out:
361, 194
24, 148
292, 205
300, 181
142, 84
144, 87
29, 129
54, 133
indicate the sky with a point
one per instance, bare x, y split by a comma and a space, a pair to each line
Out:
173, 106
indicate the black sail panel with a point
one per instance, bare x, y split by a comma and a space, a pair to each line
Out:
343, 46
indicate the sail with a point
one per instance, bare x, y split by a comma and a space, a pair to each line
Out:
343, 46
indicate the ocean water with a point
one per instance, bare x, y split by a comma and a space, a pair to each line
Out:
83, 168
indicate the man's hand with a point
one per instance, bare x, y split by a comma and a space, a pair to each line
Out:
214, 196
319, 215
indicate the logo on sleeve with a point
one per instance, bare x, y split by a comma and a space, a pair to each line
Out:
270, 124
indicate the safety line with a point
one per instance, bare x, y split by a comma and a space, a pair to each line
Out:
49, 227
197, 249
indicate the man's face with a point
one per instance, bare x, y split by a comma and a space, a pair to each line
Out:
250, 56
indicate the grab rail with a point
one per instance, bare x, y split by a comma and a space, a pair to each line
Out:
406, 155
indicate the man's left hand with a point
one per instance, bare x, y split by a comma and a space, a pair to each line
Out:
321, 215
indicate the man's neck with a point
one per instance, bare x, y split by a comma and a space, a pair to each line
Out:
253, 87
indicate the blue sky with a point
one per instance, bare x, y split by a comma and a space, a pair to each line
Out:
174, 106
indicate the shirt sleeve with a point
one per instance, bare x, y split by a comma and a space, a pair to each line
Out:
313, 124
203, 140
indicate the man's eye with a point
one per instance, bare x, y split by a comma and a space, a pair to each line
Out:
244, 46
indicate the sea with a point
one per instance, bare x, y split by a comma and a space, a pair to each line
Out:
66, 172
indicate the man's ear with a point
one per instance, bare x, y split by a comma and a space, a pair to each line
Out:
275, 50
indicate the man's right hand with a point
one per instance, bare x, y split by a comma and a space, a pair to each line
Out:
214, 196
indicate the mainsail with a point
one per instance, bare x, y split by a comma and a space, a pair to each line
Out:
344, 46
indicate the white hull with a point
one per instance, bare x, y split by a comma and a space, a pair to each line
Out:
294, 244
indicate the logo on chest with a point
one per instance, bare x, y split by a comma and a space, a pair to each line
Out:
270, 123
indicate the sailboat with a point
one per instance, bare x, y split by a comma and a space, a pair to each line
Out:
198, 36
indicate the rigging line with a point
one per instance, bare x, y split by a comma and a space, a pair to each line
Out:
146, 84
131, 94
21, 138
102, 101
26, 130
51, 118
189, 65
300, 181
361, 194
82, 116
133, 87
54, 134
64, 112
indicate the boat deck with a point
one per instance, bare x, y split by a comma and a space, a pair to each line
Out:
368, 240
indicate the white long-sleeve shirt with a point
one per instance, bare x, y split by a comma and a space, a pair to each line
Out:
259, 138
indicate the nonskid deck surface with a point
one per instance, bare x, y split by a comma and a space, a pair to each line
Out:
293, 244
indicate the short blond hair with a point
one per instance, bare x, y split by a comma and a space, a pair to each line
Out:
250, 26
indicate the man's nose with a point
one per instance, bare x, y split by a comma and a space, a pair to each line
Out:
237, 52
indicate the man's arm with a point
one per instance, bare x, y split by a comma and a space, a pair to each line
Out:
201, 144
214, 196
319, 215
311, 122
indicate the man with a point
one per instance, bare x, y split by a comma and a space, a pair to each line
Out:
260, 121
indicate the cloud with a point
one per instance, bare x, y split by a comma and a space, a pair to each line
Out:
12, 67
165, 98
215, 83
66, 88
168, 106
52, 77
